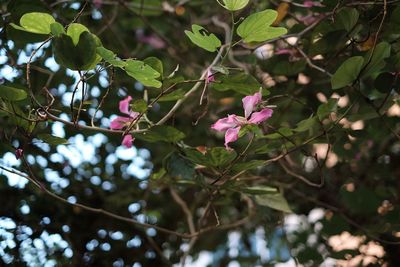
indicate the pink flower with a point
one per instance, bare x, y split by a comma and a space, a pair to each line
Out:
312, 3
231, 125
19, 153
152, 40
128, 140
98, 3
210, 77
121, 122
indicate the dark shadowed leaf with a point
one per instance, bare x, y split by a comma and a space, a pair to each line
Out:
161, 133
347, 73
11, 93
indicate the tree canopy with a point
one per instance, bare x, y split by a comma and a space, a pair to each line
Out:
208, 132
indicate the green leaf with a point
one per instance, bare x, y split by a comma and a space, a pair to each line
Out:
325, 109
259, 190
57, 29
347, 73
52, 140
233, 5
252, 164
179, 167
219, 156
274, 201
11, 93
35, 22
348, 17
175, 95
377, 62
242, 83
75, 30
110, 57
156, 64
139, 106
289, 68
199, 37
76, 57
306, 124
281, 133
256, 27
214, 157
161, 133
143, 73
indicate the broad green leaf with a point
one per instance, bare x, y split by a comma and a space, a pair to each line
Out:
306, 124
161, 133
179, 167
57, 29
139, 105
199, 37
80, 57
175, 95
252, 164
288, 68
257, 27
259, 190
275, 201
219, 156
325, 109
281, 133
142, 73
233, 5
11, 93
214, 157
35, 22
52, 140
242, 83
75, 30
377, 62
348, 17
110, 57
347, 73
156, 64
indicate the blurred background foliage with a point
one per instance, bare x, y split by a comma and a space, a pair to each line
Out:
336, 121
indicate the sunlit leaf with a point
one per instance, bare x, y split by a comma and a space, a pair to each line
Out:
143, 73
257, 27
201, 38
233, 5
35, 22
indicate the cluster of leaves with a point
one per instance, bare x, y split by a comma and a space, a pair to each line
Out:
323, 78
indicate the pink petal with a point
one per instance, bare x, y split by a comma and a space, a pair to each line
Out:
250, 103
263, 115
210, 77
19, 153
128, 140
119, 122
231, 135
308, 3
224, 124
133, 115
312, 3
284, 52
124, 105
